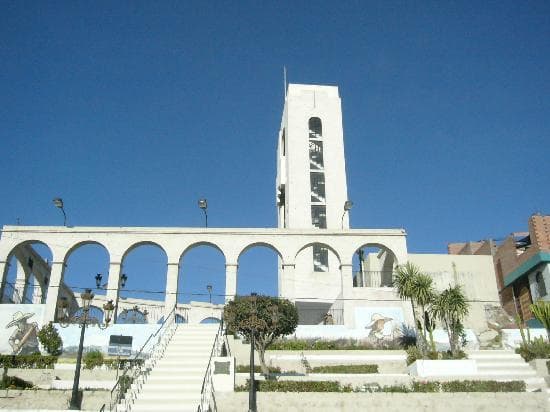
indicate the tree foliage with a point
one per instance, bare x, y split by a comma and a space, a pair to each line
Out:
541, 311
416, 286
451, 307
49, 338
265, 316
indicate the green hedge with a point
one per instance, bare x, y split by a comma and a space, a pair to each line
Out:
341, 344
483, 386
538, 348
296, 386
422, 387
35, 361
257, 369
365, 368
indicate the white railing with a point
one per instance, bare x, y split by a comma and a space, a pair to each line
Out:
208, 399
130, 383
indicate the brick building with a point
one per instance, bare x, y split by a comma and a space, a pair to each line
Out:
522, 265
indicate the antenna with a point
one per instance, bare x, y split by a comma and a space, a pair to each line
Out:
284, 78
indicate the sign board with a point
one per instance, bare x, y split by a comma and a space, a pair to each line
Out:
120, 345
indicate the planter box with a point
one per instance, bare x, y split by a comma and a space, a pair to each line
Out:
443, 367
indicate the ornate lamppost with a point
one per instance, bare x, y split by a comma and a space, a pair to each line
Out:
252, 390
82, 319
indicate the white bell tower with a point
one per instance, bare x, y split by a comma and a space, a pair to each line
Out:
311, 174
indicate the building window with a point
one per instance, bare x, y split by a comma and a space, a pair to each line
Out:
315, 128
320, 258
317, 181
319, 216
283, 143
316, 155
541, 286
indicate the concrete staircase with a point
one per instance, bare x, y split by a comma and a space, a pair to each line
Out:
505, 365
175, 382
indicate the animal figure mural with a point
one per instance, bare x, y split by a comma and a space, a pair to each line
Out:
24, 339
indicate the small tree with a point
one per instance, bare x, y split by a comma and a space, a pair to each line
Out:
416, 286
49, 338
451, 307
268, 317
541, 311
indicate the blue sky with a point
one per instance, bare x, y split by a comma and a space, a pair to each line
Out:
131, 111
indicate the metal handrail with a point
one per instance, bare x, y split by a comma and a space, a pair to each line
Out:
208, 400
166, 322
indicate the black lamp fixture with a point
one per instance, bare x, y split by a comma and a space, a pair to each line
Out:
82, 319
203, 204
348, 204
123, 280
209, 289
58, 202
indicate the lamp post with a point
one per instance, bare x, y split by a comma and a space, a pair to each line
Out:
82, 320
58, 202
252, 390
209, 289
203, 204
348, 204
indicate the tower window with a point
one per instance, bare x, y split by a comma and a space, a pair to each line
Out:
283, 143
315, 128
317, 181
316, 155
320, 258
319, 216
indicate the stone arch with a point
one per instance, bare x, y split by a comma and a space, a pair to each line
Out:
261, 244
265, 280
210, 319
201, 273
203, 243
135, 245
374, 265
24, 263
310, 244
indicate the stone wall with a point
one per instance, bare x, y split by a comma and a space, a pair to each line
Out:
387, 402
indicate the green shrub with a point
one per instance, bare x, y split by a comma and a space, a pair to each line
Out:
122, 363
34, 361
92, 359
339, 344
426, 387
13, 382
49, 338
538, 348
296, 386
483, 386
366, 368
257, 369
413, 353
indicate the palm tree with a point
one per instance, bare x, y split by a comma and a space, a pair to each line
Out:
541, 311
451, 307
408, 284
424, 293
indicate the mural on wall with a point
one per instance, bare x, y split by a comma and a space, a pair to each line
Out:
22, 323
383, 323
99, 339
